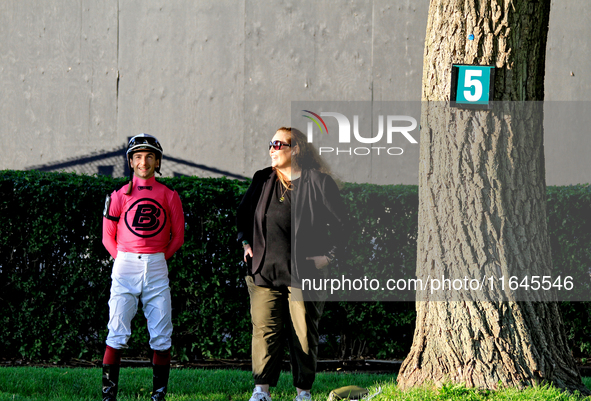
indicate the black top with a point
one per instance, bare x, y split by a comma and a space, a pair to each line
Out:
276, 270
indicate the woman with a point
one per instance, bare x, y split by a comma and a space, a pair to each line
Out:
283, 223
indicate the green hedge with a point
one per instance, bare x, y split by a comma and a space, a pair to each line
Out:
55, 272
569, 226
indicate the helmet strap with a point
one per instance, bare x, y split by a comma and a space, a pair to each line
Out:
129, 188
157, 169
130, 178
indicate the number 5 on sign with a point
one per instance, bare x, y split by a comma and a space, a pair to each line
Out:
472, 86
469, 82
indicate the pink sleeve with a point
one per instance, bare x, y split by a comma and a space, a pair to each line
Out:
110, 227
177, 226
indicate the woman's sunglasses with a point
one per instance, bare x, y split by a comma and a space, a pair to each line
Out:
277, 145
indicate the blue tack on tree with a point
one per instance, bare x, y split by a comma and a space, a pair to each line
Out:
471, 37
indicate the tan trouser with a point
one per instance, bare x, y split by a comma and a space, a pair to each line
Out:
278, 313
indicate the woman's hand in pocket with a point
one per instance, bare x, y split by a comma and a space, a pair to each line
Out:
247, 251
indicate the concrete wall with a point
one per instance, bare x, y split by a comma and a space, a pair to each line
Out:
568, 88
58, 80
214, 79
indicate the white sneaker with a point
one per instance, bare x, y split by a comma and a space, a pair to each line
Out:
259, 395
303, 396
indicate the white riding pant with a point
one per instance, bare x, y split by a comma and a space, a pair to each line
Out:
140, 276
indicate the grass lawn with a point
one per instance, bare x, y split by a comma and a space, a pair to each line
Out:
79, 384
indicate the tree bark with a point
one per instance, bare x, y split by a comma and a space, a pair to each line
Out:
482, 206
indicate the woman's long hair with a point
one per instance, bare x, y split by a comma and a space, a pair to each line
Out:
305, 158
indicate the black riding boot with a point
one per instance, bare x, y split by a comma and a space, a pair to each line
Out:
110, 382
160, 374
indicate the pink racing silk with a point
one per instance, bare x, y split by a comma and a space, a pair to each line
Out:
151, 220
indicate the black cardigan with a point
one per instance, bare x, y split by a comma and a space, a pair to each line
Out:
318, 208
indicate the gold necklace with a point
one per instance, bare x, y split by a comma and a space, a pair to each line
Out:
282, 197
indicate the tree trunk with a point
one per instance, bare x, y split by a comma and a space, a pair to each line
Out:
482, 207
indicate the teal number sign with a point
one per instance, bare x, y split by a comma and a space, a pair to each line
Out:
472, 86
